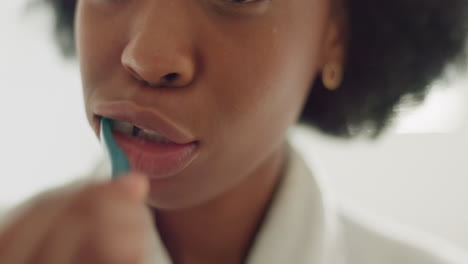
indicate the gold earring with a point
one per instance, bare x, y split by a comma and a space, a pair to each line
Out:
332, 76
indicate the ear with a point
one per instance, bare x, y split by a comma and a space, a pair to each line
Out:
336, 36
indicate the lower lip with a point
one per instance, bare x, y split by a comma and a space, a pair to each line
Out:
156, 159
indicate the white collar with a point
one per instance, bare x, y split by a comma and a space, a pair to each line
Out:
301, 224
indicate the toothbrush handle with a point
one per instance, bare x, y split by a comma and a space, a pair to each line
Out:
119, 161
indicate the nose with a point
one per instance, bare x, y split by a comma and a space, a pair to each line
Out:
158, 52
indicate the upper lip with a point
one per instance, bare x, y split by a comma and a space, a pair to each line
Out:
144, 118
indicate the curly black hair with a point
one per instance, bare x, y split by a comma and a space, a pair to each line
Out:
396, 49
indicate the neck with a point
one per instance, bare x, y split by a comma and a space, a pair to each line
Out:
223, 230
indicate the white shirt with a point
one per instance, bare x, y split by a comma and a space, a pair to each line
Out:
305, 226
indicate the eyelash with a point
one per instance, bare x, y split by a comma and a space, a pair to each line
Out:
231, 1
240, 3
248, 1
235, 4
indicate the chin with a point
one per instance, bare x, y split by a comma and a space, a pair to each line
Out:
174, 201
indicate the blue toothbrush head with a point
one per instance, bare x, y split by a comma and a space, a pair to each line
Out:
119, 161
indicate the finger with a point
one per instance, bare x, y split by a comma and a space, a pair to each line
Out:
104, 225
23, 236
61, 244
20, 240
26, 230
114, 230
136, 184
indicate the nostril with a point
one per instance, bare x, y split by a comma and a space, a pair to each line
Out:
171, 76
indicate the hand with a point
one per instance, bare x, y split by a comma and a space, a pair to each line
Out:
99, 223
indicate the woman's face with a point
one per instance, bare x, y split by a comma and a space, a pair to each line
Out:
231, 75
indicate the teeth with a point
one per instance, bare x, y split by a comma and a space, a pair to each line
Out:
131, 130
123, 127
153, 135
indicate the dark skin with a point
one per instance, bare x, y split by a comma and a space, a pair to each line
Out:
239, 75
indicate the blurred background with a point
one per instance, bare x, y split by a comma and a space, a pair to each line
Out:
416, 175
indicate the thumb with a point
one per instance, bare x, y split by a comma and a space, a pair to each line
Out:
134, 183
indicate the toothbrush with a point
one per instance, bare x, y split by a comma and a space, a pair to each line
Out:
119, 161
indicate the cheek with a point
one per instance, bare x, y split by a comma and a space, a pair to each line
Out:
99, 43
264, 70
264, 85
256, 92
262, 77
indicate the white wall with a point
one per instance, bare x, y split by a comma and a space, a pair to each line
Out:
415, 179
418, 180
44, 140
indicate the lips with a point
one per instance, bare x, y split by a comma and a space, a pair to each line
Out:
144, 118
152, 144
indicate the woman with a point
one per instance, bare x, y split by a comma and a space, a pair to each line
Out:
202, 94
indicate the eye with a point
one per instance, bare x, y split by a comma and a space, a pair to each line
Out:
104, 3
242, 1
240, 7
